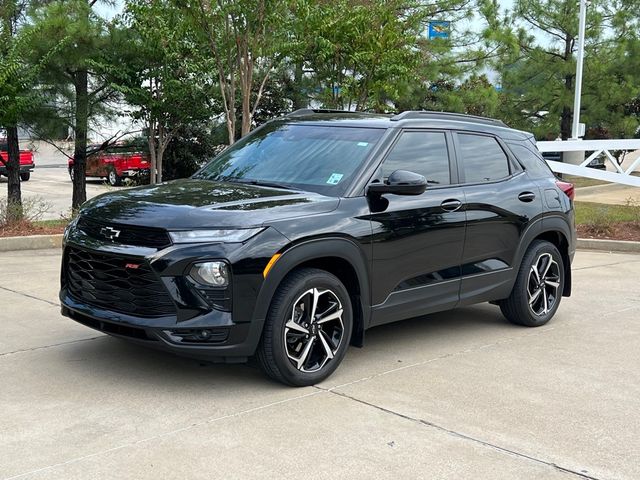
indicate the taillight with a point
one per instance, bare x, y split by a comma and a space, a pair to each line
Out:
567, 188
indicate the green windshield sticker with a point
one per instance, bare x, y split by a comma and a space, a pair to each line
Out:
335, 178
363, 144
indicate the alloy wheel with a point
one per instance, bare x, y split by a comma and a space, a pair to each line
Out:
543, 284
315, 330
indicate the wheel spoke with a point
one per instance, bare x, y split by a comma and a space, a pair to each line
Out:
534, 297
294, 326
300, 361
314, 306
534, 270
545, 301
326, 346
547, 265
552, 283
333, 316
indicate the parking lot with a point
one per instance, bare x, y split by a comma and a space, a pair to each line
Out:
455, 395
50, 184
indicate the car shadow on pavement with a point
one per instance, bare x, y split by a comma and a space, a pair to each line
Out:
116, 359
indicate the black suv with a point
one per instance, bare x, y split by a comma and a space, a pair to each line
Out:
317, 226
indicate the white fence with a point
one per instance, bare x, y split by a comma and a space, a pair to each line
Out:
600, 148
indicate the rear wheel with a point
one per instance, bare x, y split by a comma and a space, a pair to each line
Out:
25, 176
538, 289
308, 328
114, 179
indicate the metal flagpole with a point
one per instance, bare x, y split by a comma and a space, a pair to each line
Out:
575, 131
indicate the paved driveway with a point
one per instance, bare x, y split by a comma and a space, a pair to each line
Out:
460, 395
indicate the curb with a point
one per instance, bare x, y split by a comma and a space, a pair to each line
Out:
30, 242
38, 242
623, 246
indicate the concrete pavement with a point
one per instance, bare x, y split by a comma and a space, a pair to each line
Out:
460, 395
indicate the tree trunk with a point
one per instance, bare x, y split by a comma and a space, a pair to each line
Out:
159, 157
160, 152
14, 195
299, 97
80, 146
151, 139
565, 123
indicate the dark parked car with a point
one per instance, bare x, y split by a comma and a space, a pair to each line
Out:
293, 242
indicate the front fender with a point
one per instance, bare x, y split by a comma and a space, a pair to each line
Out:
305, 251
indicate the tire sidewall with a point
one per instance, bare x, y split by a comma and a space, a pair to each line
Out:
280, 317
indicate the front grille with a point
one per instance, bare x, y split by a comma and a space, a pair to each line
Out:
116, 283
125, 234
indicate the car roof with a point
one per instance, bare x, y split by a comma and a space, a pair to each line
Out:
408, 119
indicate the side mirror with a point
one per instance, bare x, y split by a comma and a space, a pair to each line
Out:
400, 182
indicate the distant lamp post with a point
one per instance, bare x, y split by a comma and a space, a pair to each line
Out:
577, 129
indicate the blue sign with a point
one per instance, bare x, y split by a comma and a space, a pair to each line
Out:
439, 29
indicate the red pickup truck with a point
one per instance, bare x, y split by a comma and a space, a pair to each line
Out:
117, 163
26, 162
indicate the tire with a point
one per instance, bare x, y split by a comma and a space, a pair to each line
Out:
284, 353
534, 300
25, 176
113, 178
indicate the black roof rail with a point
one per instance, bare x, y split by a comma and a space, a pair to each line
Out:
418, 114
310, 111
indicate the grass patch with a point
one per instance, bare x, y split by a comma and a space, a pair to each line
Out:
590, 212
580, 182
51, 223
600, 220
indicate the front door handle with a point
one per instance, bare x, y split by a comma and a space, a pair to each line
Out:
527, 196
451, 205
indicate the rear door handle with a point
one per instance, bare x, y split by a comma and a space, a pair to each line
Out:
451, 205
527, 196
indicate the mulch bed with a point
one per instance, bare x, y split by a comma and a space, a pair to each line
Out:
613, 231
27, 228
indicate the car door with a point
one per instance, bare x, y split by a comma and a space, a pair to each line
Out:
93, 165
501, 202
417, 240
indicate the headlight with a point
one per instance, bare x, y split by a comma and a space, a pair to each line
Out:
197, 236
211, 273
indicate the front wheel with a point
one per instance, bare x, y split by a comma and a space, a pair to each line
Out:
538, 289
308, 328
25, 176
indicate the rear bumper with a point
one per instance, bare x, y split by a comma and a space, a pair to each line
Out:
133, 173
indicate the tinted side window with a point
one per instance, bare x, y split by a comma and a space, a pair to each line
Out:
534, 164
483, 159
420, 152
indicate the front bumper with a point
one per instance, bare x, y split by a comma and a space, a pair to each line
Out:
230, 344
232, 336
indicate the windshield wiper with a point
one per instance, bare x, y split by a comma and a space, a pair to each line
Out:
260, 183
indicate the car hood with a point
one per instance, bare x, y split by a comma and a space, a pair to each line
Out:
192, 203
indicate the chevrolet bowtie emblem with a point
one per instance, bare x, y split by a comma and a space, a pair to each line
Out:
109, 233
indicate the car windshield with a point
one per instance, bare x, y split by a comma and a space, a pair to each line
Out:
320, 159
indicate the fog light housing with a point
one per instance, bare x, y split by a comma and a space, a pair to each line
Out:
214, 273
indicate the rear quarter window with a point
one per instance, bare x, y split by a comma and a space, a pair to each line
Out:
533, 162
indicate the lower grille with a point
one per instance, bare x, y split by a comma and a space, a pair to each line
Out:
116, 283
